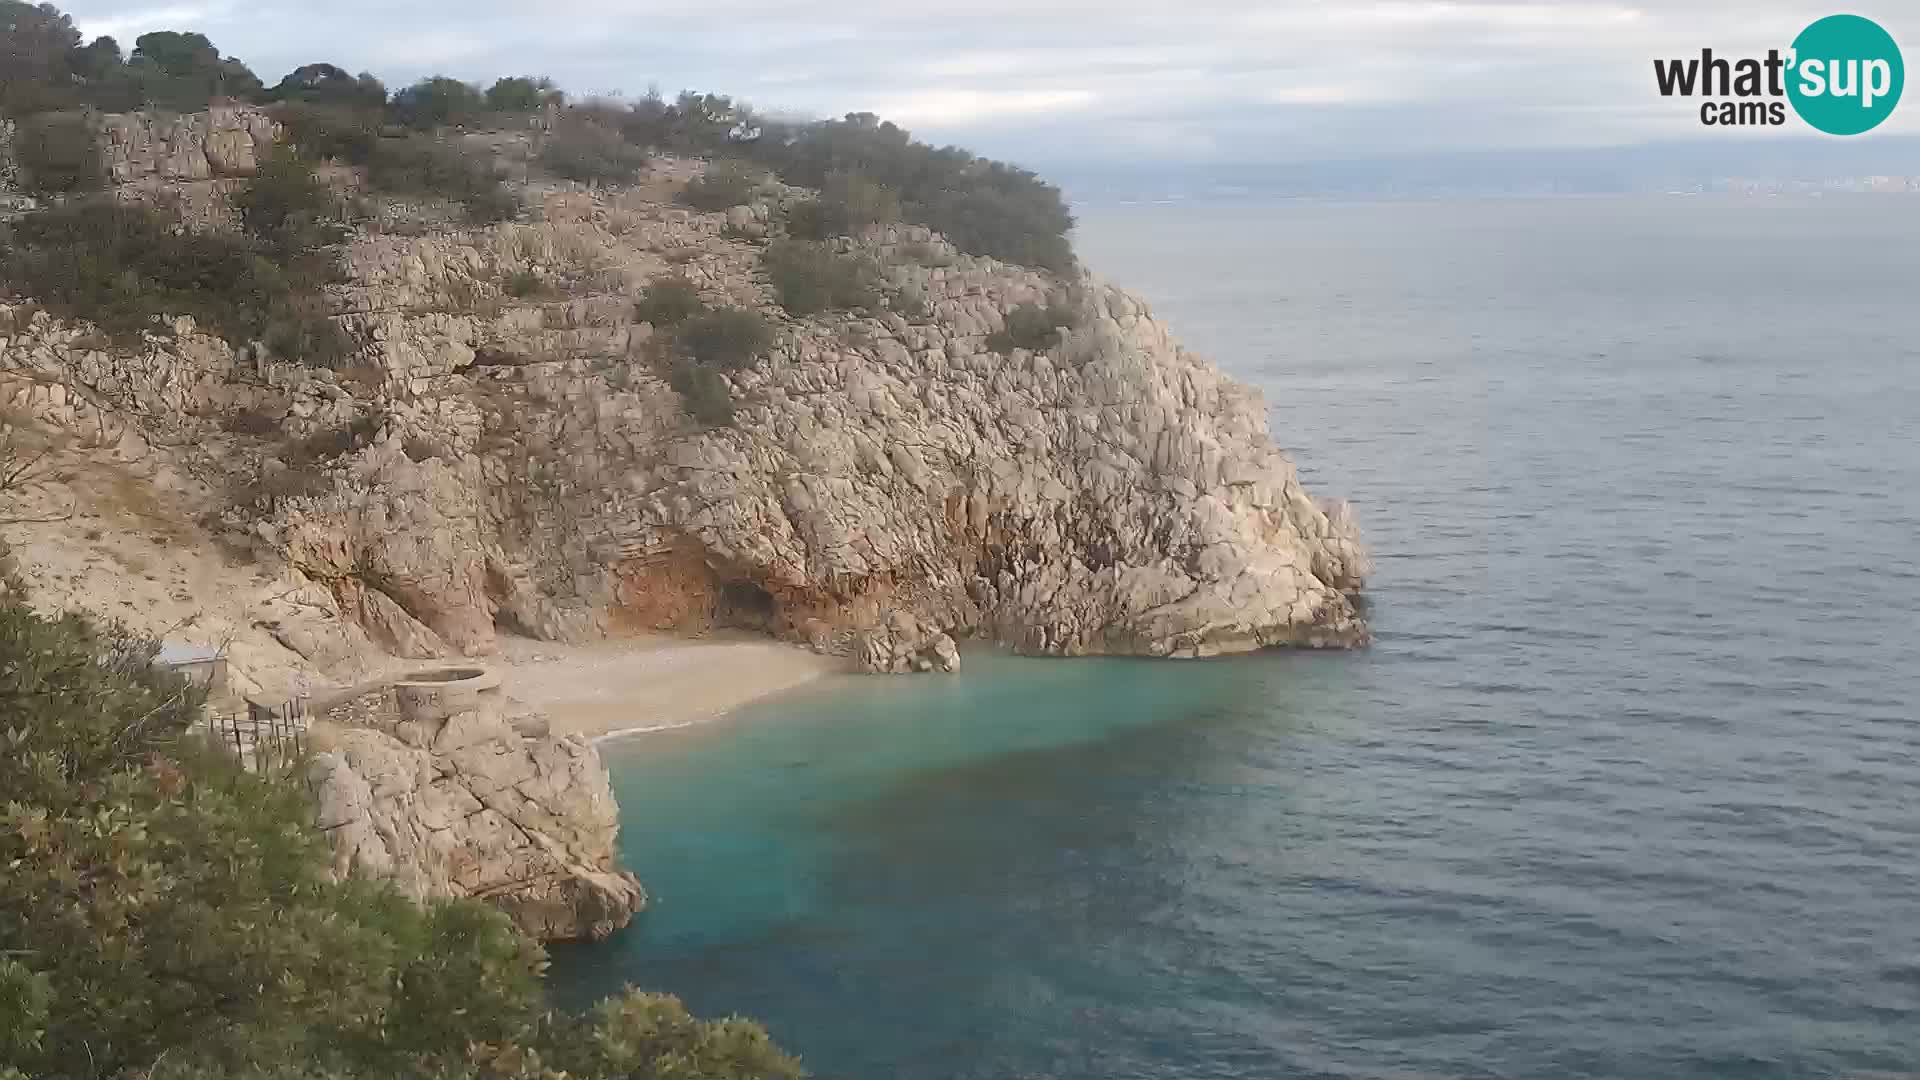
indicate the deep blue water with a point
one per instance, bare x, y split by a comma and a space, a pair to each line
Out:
1629, 786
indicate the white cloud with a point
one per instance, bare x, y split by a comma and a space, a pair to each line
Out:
962, 108
1096, 78
125, 27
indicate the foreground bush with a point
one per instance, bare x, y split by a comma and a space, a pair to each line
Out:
165, 914
811, 278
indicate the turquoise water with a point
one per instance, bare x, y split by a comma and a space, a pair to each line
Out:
1623, 790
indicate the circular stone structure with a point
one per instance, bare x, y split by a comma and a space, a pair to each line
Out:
443, 709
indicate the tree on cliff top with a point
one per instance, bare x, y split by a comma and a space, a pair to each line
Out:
34, 45
523, 93
985, 207
325, 84
437, 102
167, 915
184, 71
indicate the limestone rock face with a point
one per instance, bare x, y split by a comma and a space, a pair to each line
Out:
1114, 494
451, 801
893, 480
223, 142
888, 485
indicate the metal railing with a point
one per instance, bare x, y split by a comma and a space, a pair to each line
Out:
264, 738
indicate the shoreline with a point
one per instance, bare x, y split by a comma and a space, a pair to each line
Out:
640, 685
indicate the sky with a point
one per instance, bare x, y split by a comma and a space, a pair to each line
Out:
1075, 82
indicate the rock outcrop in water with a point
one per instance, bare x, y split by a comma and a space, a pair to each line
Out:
890, 483
435, 791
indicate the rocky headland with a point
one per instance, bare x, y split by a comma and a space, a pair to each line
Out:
505, 455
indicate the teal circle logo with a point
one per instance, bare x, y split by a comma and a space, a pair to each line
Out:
1846, 75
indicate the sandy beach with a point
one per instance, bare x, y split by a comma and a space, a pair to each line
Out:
653, 682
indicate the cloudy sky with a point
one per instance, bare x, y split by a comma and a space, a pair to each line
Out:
1064, 81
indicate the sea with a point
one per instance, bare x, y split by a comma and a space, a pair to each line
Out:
1627, 787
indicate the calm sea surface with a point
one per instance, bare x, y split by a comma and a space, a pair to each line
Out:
1629, 786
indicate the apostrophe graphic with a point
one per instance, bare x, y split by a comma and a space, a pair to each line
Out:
1843, 76
1846, 75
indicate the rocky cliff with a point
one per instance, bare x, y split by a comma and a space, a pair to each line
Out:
891, 482
431, 787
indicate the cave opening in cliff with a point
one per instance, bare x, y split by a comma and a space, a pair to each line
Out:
745, 605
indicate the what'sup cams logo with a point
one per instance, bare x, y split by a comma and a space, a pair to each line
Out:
1843, 75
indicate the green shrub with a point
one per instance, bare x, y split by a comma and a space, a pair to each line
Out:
704, 392
326, 84
521, 94
725, 339
182, 72
400, 164
405, 164
37, 49
123, 267
423, 165
287, 207
810, 278
810, 220
910, 301
526, 285
848, 202
59, 153
322, 131
588, 152
669, 301
437, 102
1033, 327
492, 204
1012, 226
984, 207
167, 914
921, 253
724, 185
